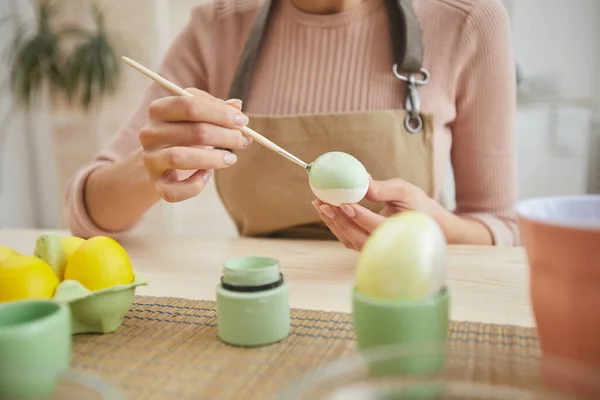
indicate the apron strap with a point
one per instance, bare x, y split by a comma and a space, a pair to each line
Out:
242, 79
407, 40
407, 37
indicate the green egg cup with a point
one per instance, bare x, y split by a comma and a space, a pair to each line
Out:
100, 311
403, 324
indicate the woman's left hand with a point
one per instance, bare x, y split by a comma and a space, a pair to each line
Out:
352, 224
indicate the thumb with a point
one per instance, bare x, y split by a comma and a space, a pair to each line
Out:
385, 191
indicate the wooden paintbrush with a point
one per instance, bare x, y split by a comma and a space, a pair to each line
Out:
245, 130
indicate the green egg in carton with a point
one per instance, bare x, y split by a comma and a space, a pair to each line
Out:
92, 311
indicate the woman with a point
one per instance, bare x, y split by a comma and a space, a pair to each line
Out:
403, 86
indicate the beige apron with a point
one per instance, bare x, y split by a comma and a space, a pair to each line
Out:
269, 196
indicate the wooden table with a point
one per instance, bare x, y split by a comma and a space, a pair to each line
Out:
487, 284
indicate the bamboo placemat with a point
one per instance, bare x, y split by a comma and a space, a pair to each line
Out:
168, 348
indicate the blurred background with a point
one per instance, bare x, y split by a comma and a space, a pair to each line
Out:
557, 45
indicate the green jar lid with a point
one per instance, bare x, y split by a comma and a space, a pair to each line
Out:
251, 271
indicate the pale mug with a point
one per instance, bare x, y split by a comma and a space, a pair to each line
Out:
35, 348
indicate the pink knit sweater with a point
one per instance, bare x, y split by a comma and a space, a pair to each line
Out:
342, 62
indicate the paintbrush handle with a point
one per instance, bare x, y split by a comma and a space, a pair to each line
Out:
170, 86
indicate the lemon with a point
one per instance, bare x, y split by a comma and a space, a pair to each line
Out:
26, 277
70, 244
100, 263
6, 252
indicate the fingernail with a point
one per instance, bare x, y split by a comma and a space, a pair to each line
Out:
241, 119
207, 175
233, 101
328, 211
247, 141
230, 159
349, 211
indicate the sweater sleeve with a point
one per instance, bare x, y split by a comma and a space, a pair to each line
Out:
183, 65
483, 152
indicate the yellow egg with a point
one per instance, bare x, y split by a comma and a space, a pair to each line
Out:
70, 244
6, 252
100, 263
26, 277
404, 258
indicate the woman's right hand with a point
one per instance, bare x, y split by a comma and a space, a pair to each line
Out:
177, 134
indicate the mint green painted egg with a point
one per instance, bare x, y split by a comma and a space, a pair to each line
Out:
403, 259
338, 178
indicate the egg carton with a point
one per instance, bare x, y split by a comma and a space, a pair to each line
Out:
99, 311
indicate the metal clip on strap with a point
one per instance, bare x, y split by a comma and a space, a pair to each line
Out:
413, 122
408, 49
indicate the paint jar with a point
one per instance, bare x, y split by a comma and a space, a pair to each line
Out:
253, 307
419, 325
